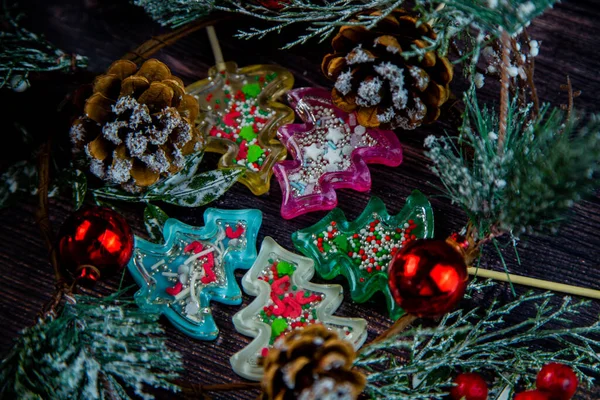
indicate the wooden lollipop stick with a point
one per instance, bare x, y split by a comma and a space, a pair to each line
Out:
536, 283
216, 47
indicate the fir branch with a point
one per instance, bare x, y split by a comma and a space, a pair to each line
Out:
175, 13
23, 52
422, 362
322, 19
96, 349
20, 179
475, 18
546, 163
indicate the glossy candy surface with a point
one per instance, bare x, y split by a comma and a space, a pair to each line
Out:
239, 111
361, 250
330, 151
194, 266
286, 300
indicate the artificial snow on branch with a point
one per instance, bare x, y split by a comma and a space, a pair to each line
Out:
322, 18
96, 349
546, 163
421, 363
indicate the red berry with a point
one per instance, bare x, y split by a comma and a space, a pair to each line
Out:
469, 386
532, 395
558, 380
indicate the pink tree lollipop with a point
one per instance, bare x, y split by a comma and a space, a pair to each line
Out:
330, 151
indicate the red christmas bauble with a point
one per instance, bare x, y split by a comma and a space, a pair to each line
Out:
428, 277
469, 386
532, 395
94, 243
558, 380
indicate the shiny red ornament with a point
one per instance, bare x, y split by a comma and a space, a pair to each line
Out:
428, 277
558, 380
94, 243
469, 386
532, 395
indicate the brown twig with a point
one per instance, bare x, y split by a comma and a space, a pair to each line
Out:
530, 71
156, 43
504, 87
62, 286
570, 97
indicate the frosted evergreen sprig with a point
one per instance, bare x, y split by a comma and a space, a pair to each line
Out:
421, 363
322, 18
479, 19
96, 349
23, 52
545, 165
174, 13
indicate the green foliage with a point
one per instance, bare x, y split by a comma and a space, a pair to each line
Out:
22, 52
20, 179
543, 167
421, 363
175, 13
195, 191
475, 18
79, 186
154, 220
322, 19
96, 349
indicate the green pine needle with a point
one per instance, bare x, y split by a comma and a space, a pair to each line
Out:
176, 13
322, 19
421, 363
546, 164
96, 349
23, 52
475, 18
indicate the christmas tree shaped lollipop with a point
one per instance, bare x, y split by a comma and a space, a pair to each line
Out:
194, 266
286, 300
330, 150
362, 250
239, 111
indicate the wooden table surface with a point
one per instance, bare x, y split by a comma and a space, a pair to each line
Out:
105, 30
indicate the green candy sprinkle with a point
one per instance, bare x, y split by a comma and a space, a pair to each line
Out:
251, 89
341, 242
247, 133
285, 268
278, 326
254, 153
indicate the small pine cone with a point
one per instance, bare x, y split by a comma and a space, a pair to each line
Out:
375, 80
138, 125
311, 363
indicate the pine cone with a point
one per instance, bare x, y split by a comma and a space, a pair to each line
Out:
373, 78
138, 125
311, 363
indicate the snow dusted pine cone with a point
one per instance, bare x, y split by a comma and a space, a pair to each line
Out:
138, 125
375, 80
311, 363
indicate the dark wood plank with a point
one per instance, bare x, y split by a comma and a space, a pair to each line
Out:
104, 30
